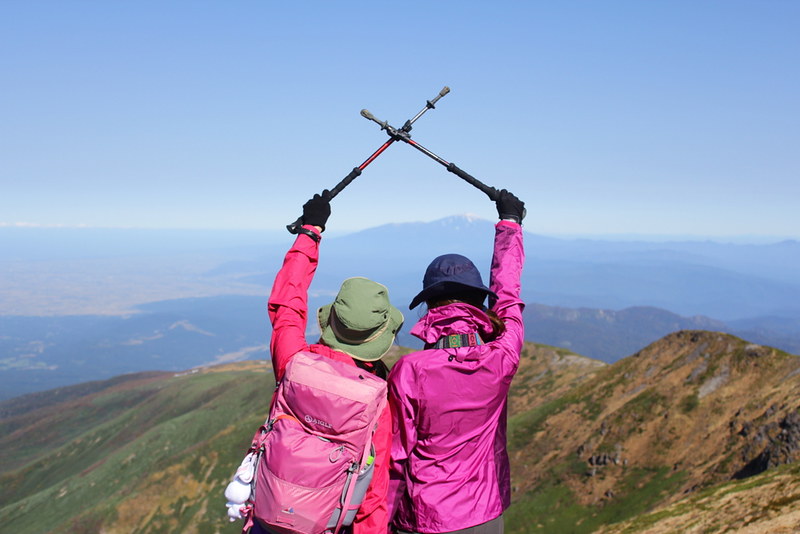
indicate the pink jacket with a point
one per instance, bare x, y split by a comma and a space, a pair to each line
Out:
288, 311
449, 461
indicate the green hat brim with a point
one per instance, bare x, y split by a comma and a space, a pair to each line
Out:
369, 351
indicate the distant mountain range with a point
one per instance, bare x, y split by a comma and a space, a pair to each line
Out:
699, 430
721, 280
610, 335
603, 299
725, 281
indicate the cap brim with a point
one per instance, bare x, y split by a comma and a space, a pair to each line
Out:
446, 288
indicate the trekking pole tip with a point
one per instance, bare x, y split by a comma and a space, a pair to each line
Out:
444, 91
367, 115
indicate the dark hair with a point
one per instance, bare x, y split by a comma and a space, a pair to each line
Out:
377, 368
473, 298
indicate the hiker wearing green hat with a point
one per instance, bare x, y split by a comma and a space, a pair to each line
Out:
357, 328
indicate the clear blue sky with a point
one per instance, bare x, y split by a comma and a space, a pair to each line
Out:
658, 117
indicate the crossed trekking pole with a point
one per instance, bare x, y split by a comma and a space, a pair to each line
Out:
403, 134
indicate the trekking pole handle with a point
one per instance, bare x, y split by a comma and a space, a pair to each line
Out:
294, 227
490, 191
345, 181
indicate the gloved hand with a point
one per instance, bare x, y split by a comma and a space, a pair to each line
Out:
317, 210
509, 206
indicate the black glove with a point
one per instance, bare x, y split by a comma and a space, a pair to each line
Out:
317, 210
509, 206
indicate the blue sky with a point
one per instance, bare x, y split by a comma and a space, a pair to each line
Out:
654, 118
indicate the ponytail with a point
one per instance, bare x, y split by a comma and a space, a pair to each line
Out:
498, 326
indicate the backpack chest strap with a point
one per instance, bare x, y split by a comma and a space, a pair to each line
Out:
456, 340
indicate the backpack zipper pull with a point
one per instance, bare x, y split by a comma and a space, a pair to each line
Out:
336, 454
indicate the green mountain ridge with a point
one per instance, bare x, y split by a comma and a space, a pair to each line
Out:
690, 411
141, 455
153, 452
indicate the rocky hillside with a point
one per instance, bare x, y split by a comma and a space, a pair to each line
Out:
690, 411
646, 440
765, 503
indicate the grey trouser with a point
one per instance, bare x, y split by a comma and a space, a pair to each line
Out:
495, 526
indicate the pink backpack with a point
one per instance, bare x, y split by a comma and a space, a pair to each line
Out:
315, 455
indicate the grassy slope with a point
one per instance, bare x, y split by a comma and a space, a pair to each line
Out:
153, 454
769, 502
158, 465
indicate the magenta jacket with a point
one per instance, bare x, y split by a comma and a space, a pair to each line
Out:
449, 465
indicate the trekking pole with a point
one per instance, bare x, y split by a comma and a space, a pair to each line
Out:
402, 135
430, 104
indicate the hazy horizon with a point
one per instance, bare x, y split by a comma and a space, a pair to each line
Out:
278, 232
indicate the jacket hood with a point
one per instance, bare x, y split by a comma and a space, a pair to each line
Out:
456, 318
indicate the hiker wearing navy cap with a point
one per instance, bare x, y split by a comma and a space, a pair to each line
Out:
450, 470
357, 328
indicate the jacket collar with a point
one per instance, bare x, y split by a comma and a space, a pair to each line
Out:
457, 318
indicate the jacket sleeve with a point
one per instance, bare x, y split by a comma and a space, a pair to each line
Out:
507, 263
373, 514
288, 301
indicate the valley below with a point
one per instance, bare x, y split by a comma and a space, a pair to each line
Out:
699, 429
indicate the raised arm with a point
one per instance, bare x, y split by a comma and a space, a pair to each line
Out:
288, 301
507, 264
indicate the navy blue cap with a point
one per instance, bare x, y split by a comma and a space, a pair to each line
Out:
450, 275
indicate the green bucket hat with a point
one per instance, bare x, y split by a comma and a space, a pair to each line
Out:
361, 321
